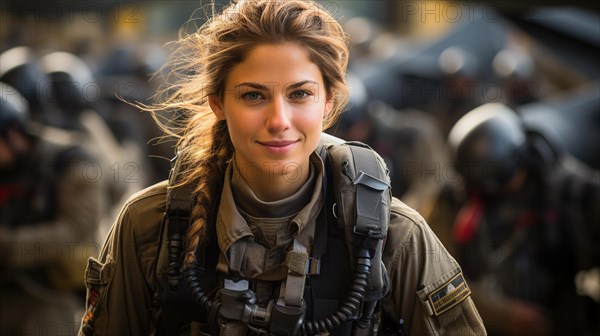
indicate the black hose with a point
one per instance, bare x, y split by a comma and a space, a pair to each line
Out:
193, 283
352, 303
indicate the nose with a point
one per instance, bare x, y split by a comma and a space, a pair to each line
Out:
278, 118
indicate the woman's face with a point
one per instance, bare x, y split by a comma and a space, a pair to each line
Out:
274, 103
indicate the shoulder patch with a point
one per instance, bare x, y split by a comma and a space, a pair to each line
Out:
449, 294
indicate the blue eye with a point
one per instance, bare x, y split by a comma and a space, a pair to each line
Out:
252, 95
299, 94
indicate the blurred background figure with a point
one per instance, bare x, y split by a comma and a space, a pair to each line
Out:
49, 212
525, 223
76, 93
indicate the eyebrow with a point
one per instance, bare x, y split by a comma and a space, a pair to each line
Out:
253, 85
259, 86
299, 84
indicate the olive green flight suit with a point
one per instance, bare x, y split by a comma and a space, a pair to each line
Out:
427, 287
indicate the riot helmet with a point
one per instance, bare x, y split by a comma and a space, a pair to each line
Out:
488, 145
19, 69
73, 87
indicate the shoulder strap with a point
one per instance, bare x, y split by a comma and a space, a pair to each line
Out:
372, 186
362, 196
177, 220
358, 169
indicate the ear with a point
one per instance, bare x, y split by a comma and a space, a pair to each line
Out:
216, 105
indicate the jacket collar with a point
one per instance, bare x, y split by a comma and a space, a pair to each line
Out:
232, 227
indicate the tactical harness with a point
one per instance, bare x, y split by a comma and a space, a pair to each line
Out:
315, 298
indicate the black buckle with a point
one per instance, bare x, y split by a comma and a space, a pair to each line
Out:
372, 232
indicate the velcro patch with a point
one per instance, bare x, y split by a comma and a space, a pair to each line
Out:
296, 261
449, 294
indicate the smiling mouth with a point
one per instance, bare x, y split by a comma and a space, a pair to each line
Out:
277, 143
278, 147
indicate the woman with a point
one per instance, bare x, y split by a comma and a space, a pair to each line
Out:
258, 84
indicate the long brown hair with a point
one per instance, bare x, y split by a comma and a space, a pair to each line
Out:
199, 66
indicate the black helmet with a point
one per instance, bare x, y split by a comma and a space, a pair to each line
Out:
488, 145
19, 69
13, 110
73, 87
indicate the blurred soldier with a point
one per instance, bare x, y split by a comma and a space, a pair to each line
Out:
48, 214
523, 230
75, 91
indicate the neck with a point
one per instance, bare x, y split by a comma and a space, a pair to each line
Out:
276, 184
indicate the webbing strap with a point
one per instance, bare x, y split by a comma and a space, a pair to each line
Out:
369, 190
297, 262
320, 241
321, 229
178, 210
178, 196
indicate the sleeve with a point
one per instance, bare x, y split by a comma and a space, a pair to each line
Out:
428, 290
119, 298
